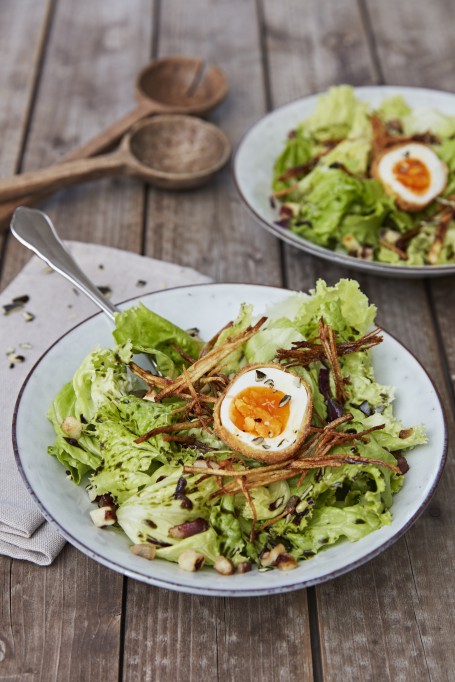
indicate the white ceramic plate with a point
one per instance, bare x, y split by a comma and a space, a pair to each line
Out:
209, 307
253, 169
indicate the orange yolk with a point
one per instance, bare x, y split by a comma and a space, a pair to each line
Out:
256, 410
413, 174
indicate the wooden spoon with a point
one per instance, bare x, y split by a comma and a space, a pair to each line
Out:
169, 85
168, 151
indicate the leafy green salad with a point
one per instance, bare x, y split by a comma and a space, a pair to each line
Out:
148, 450
374, 184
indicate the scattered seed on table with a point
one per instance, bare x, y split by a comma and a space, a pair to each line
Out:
16, 304
106, 291
28, 317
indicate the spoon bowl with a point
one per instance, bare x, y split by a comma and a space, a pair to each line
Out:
178, 152
169, 151
181, 85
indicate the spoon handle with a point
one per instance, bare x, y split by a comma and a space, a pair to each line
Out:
35, 230
62, 175
108, 138
102, 142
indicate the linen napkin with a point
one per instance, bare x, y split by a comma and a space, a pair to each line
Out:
30, 326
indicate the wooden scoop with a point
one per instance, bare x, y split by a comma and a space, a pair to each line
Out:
169, 151
176, 84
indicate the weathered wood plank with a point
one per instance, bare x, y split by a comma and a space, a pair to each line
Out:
423, 59
430, 542
92, 59
414, 42
170, 636
64, 622
366, 606
22, 31
211, 231
266, 639
372, 614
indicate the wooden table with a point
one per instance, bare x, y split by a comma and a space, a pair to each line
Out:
66, 71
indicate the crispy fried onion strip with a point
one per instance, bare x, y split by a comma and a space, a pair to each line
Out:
204, 365
303, 353
382, 138
440, 234
317, 454
169, 428
393, 247
190, 385
328, 340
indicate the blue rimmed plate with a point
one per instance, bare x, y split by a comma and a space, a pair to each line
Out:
209, 307
253, 161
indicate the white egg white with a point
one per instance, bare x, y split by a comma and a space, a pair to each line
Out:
283, 381
414, 150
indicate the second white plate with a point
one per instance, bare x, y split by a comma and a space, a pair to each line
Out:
256, 154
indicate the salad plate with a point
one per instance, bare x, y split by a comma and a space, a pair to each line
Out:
209, 307
257, 152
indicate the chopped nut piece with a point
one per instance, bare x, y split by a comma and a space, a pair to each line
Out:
269, 558
244, 567
223, 565
104, 516
405, 433
145, 550
191, 561
205, 464
106, 291
285, 562
28, 317
185, 530
72, 427
14, 358
17, 304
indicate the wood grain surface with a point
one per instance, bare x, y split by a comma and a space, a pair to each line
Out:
64, 76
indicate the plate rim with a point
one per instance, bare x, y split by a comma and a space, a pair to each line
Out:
371, 267
203, 590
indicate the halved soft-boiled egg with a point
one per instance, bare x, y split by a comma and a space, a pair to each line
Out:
264, 413
412, 173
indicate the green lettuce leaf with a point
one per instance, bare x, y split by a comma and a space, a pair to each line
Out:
424, 119
329, 196
337, 112
100, 378
298, 151
352, 153
150, 513
343, 306
150, 333
394, 107
232, 363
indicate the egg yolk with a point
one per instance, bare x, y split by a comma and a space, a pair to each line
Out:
413, 174
257, 411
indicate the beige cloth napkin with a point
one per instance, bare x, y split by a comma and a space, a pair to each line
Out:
54, 307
